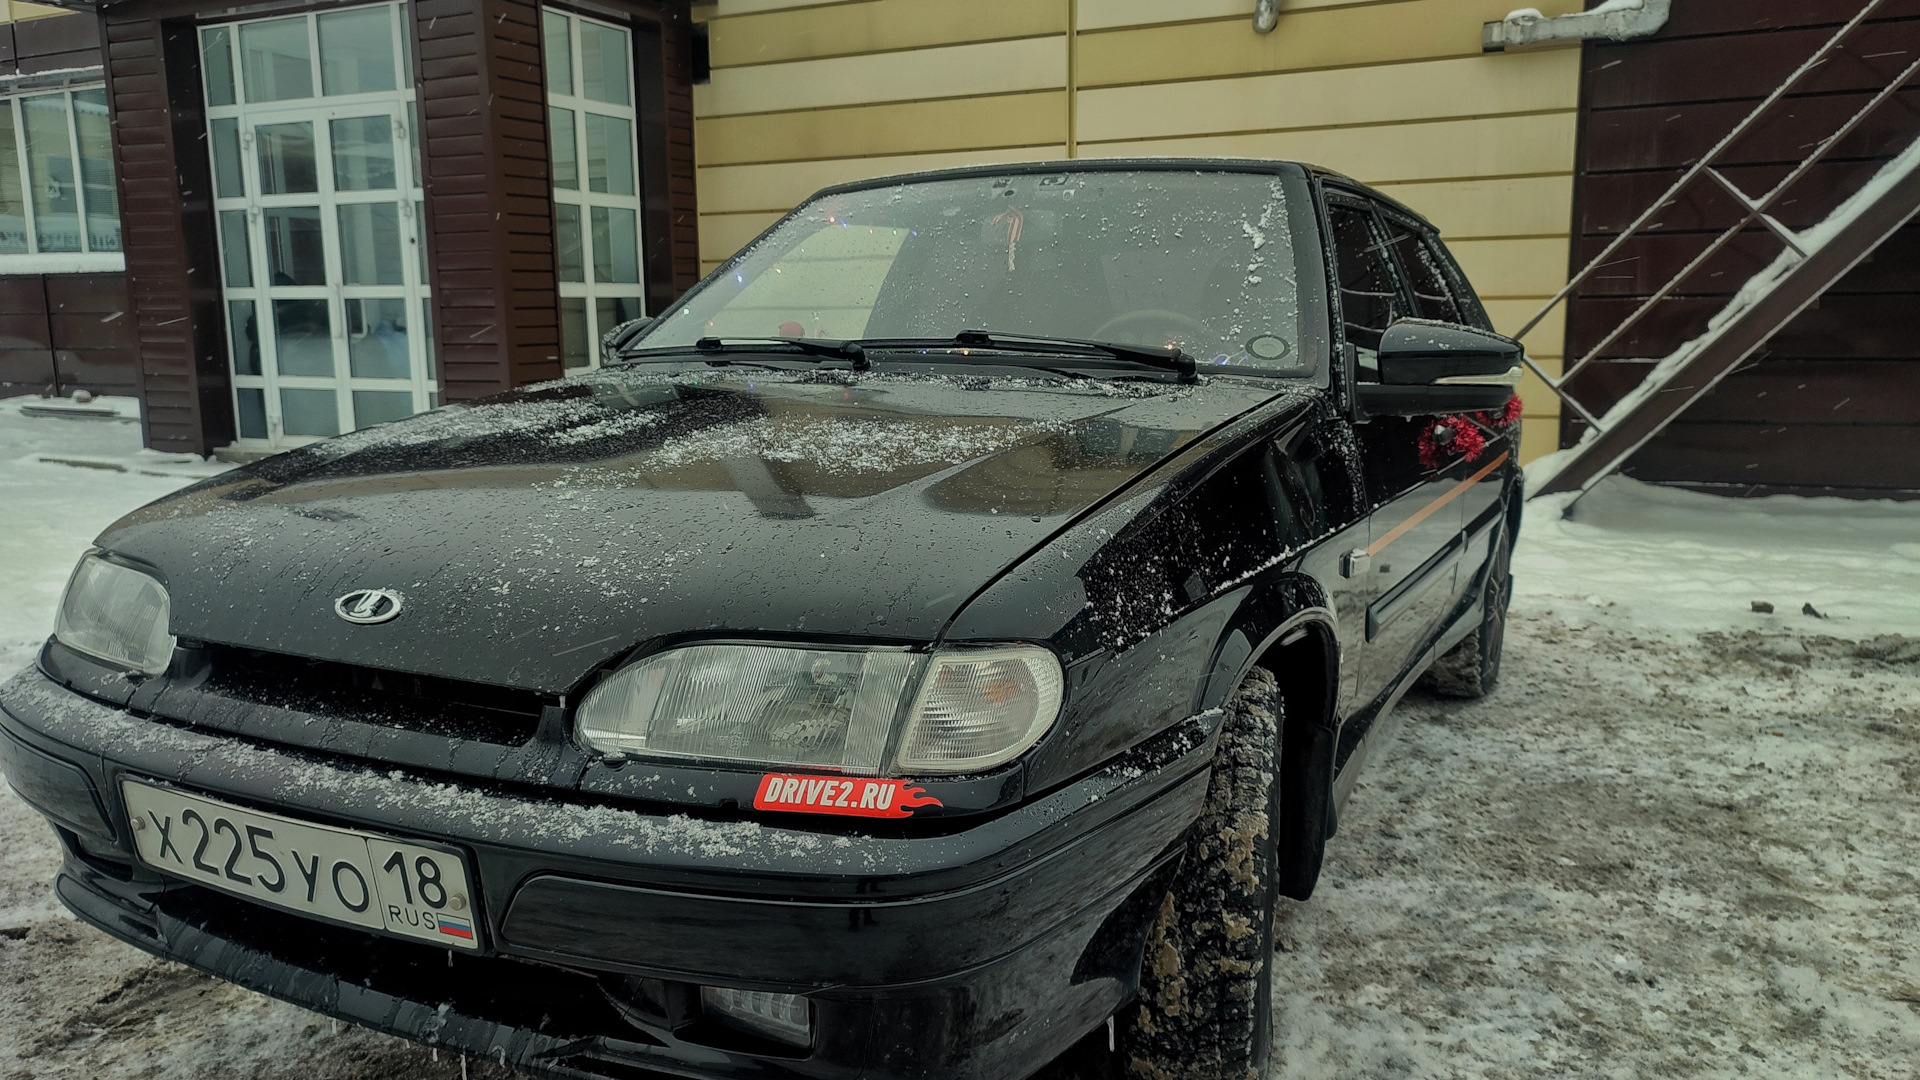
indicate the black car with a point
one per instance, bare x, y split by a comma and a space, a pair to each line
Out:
932, 648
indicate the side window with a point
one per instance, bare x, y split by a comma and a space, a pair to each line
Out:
1369, 298
1426, 274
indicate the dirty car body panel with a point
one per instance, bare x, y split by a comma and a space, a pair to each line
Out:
394, 638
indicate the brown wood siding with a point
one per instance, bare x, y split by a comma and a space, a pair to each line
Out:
26, 338
51, 44
166, 229
91, 326
1833, 402
677, 67
488, 195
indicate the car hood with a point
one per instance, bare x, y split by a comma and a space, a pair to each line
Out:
534, 536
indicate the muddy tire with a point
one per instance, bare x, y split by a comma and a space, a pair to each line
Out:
1472, 668
1205, 1007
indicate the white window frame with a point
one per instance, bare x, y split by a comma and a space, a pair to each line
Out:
320, 110
587, 289
33, 260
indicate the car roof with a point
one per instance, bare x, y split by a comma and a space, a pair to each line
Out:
1163, 164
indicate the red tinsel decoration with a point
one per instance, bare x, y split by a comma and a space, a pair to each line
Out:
1506, 416
1464, 436
1449, 436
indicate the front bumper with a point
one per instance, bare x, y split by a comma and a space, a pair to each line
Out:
978, 952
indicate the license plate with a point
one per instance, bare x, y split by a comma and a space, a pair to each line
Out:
350, 877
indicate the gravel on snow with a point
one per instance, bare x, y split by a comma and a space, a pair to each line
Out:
1677, 841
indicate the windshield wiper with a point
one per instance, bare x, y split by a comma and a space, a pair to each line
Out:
851, 351
1168, 359
854, 351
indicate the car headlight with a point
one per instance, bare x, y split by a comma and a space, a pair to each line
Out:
827, 708
117, 614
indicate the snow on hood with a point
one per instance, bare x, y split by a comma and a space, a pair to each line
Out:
534, 536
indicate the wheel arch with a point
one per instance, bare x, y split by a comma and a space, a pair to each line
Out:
1290, 630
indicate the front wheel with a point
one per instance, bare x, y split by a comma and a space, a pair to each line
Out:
1205, 1006
1472, 668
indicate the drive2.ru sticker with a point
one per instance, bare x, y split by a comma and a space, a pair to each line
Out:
849, 797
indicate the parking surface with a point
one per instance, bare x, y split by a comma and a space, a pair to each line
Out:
1640, 857
1678, 840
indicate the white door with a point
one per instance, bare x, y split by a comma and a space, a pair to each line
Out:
312, 136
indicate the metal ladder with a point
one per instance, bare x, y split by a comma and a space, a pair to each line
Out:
1811, 262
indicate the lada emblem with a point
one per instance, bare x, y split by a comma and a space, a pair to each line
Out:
368, 606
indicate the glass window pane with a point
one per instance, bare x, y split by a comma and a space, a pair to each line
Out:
616, 245
574, 351
603, 64
216, 63
370, 244
303, 339
286, 158
243, 338
1369, 300
611, 311
56, 194
377, 339
356, 50
296, 254
309, 412
233, 249
566, 236
274, 60
1425, 274
363, 153
13, 207
609, 155
406, 47
379, 406
228, 183
101, 198
559, 53
252, 402
566, 158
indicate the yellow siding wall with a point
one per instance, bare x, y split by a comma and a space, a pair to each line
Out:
14, 11
1395, 93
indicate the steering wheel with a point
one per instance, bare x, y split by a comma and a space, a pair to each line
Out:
1149, 316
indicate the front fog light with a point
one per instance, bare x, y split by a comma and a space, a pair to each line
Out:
783, 1018
116, 613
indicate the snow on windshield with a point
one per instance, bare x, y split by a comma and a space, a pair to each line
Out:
1203, 261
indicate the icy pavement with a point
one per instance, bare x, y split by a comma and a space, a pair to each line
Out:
62, 480
1677, 842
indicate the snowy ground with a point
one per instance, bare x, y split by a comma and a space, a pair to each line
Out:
1678, 841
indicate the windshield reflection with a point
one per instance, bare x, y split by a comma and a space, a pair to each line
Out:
1201, 261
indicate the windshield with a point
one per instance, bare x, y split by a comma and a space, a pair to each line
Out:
1199, 260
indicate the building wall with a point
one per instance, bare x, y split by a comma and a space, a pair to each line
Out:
478, 73
1396, 94
60, 332
1832, 403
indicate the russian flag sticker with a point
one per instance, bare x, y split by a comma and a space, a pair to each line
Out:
454, 927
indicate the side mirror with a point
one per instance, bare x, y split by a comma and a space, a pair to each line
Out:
1431, 367
621, 336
